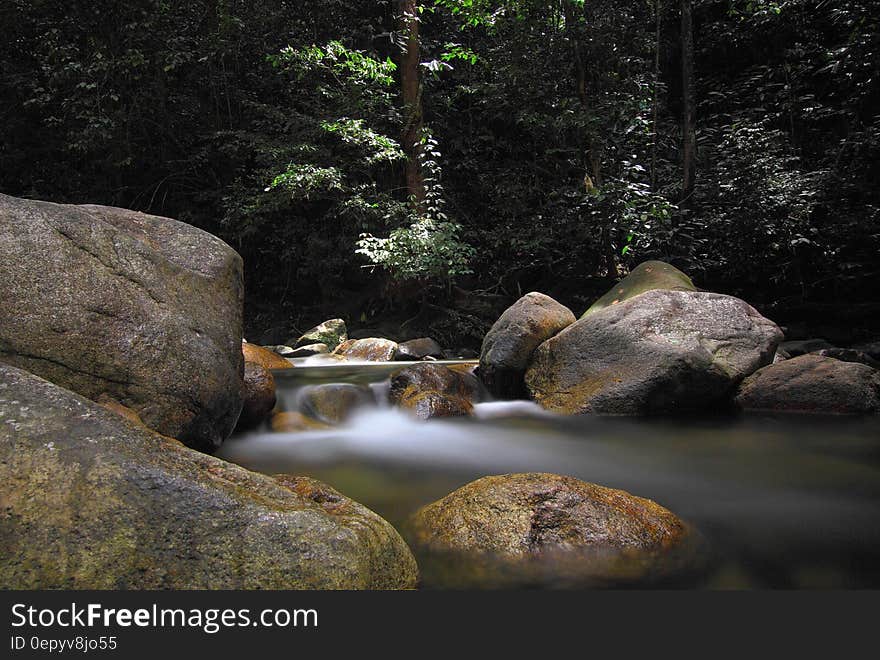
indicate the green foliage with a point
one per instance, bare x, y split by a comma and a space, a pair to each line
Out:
430, 247
294, 158
357, 67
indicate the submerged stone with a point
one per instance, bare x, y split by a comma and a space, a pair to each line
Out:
333, 403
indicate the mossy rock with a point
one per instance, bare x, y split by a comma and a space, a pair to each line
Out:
647, 276
331, 333
91, 500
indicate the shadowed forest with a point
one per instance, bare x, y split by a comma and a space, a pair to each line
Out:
411, 165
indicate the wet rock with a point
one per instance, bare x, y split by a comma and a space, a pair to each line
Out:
280, 349
433, 390
93, 501
814, 384
547, 530
511, 341
803, 346
871, 348
294, 422
259, 395
372, 349
849, 355
331, 333
647, 276
460, 354
142, 308
264, 357
333, 403
660, 352
309, 350
780, 355
418, 349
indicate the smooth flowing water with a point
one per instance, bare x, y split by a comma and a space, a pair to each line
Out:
786, 501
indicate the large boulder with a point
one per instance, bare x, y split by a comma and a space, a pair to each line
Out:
143, 309
93, 501
433, 390
370, 349
647, 276
331, 333
660, 352
521, 529
812, 383
509, 344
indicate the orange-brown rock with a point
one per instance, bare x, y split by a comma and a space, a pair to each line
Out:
264, 357
371, 349
259, 395
538, 528
433, 390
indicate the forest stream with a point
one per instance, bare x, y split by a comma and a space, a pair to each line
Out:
782, 501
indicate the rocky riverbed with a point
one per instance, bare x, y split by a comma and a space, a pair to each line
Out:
122, 367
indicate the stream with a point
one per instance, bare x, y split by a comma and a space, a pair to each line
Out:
783, 501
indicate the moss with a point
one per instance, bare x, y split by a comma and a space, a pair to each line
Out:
647, 276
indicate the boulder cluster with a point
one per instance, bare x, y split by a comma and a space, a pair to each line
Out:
123, 367
655, 344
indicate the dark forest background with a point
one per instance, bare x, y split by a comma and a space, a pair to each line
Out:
415, 167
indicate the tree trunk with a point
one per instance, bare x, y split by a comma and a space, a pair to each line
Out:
689, 145
411, 90
654, 100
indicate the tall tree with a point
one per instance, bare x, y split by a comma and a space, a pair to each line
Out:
689, 143
411, 90
654, 95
